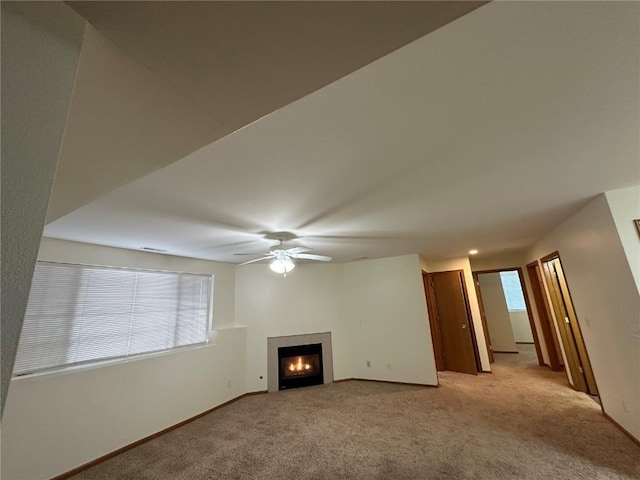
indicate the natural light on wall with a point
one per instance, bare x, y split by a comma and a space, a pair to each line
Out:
512, 291
78, 314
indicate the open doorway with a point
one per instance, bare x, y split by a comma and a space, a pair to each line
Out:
506, 315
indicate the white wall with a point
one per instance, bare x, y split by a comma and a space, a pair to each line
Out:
374, 309
56, 422
607, 303
496, 312
41, 44
625, 208
308, 300
442, 265
521, 326
389, 325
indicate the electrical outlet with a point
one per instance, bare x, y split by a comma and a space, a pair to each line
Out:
368, 363
388, 366
228, 383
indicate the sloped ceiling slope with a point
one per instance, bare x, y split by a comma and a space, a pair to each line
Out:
485, 133
243, 60
158, 80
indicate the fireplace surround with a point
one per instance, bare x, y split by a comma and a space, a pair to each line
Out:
294, 353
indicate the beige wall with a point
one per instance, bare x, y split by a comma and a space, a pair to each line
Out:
386, 311
309, 300
496, 312
55, 422
41, 44
521, 326
462, 263
625, 208
607, 303
374, 309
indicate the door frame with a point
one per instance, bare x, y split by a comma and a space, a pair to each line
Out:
527, 303
544, 315
434, 326
432, 311
586, 380
483, 317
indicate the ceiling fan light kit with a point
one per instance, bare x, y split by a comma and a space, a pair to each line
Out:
282, 255
282, 265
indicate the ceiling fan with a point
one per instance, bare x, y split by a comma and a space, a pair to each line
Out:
282, 255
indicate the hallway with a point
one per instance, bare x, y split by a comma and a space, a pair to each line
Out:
526, 356
533, 417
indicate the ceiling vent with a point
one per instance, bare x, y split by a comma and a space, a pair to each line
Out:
151, 249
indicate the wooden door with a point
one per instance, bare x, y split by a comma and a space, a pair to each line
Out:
548, 331
575, 351
575, 330
436, 337
483, 315
452, 316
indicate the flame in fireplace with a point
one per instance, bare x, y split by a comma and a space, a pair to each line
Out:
299, 366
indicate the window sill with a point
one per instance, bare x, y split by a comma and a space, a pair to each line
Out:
91, 365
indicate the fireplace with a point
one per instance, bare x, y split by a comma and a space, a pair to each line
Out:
300, 366
303, 340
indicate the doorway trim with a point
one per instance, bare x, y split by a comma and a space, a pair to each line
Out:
434, 326
544, 315
525, 294
581, 372
434, 323
483, 317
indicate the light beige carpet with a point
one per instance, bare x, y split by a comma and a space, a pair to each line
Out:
521, 422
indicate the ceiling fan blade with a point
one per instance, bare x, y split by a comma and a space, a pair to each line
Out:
254, 254
309, 256
257, 260
299, 249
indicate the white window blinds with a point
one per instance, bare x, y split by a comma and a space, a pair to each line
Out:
512, 291
79, 313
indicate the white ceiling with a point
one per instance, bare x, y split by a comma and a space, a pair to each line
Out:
485, 133
243, 60
158, 80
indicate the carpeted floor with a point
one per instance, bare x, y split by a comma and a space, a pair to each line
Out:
521, 422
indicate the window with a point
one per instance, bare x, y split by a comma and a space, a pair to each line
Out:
79, 313
512, 291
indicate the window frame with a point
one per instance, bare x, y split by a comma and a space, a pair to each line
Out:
121, 359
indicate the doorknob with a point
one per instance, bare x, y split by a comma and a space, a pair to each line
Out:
464, 325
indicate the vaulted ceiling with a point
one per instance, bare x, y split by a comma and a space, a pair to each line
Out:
484, 133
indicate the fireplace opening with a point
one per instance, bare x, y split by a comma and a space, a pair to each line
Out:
300, 366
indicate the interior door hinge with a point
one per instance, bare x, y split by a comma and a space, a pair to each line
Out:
580, 369
566, 319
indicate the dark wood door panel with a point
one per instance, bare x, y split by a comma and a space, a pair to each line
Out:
454, 322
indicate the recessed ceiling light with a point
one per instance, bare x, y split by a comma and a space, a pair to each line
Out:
473, 252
